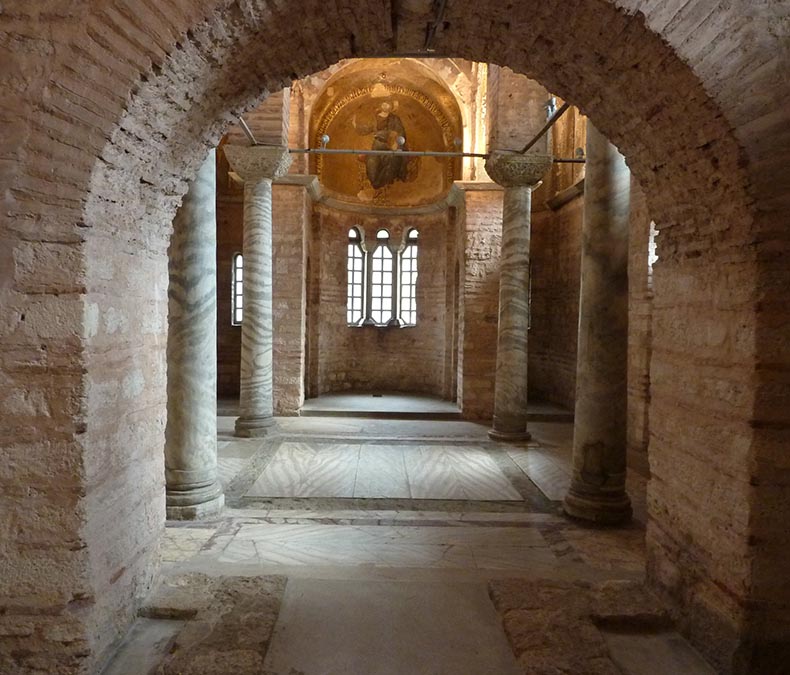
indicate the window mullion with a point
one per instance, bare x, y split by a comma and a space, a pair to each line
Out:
395, 304
368, 294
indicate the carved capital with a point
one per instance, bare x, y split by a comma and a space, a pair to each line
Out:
254, 163
514, 170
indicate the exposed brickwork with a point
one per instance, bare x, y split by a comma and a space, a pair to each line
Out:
109, 106
291, 211
291, 208
482, 235
268, 122
556, 270
640, 307
230, 220
371, 358
516, 111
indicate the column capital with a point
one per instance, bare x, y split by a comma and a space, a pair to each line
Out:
255, 163
515, 170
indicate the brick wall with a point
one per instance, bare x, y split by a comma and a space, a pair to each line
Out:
372, 358
556, 250
516, 110
291, 206
482, 229
230, 235
556, 275
291, 210
640, 309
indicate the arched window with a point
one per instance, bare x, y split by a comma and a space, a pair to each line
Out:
355, 299
408, 280
382, 281
381, 295
236, 300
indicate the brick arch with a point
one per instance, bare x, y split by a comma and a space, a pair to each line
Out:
122, 100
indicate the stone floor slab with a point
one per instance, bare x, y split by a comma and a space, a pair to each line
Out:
388, 628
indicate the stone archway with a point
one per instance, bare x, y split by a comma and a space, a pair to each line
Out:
112, 106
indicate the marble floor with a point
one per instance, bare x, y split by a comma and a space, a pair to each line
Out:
437, 471
389, 533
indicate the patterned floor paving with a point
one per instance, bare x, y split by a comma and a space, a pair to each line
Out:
392, 528
313, 469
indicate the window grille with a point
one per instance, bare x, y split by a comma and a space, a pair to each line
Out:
408, 280
355, 301
237, 287
381, 280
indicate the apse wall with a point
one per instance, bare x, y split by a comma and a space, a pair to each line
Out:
376, 358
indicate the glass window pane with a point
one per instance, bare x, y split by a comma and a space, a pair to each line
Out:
408, 280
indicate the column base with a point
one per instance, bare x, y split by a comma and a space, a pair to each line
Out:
602, 509
199, 504
254, 427
509, 436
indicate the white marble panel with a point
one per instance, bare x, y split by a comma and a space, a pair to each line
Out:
551, 474
479, 474
431, 474
372, 514
381, 472
309, 470
228, 468
427, 546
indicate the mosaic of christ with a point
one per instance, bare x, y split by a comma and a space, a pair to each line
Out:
388, 133
378, 118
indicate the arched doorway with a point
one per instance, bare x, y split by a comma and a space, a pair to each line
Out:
121, 110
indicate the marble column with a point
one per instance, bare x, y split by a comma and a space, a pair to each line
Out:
597, 491
257, 166
192, 488
518, 174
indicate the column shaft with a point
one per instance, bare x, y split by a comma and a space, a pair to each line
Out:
597, 491
257, 394
510, 389
517, 173
258, 166
192, 488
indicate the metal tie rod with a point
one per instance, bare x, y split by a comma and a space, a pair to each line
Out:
399, 153
406, 153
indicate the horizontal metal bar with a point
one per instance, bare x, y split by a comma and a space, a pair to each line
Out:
401, 153
407, 153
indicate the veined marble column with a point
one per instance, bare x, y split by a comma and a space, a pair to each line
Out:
192, 489
517, 174
257, 166
597, 491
